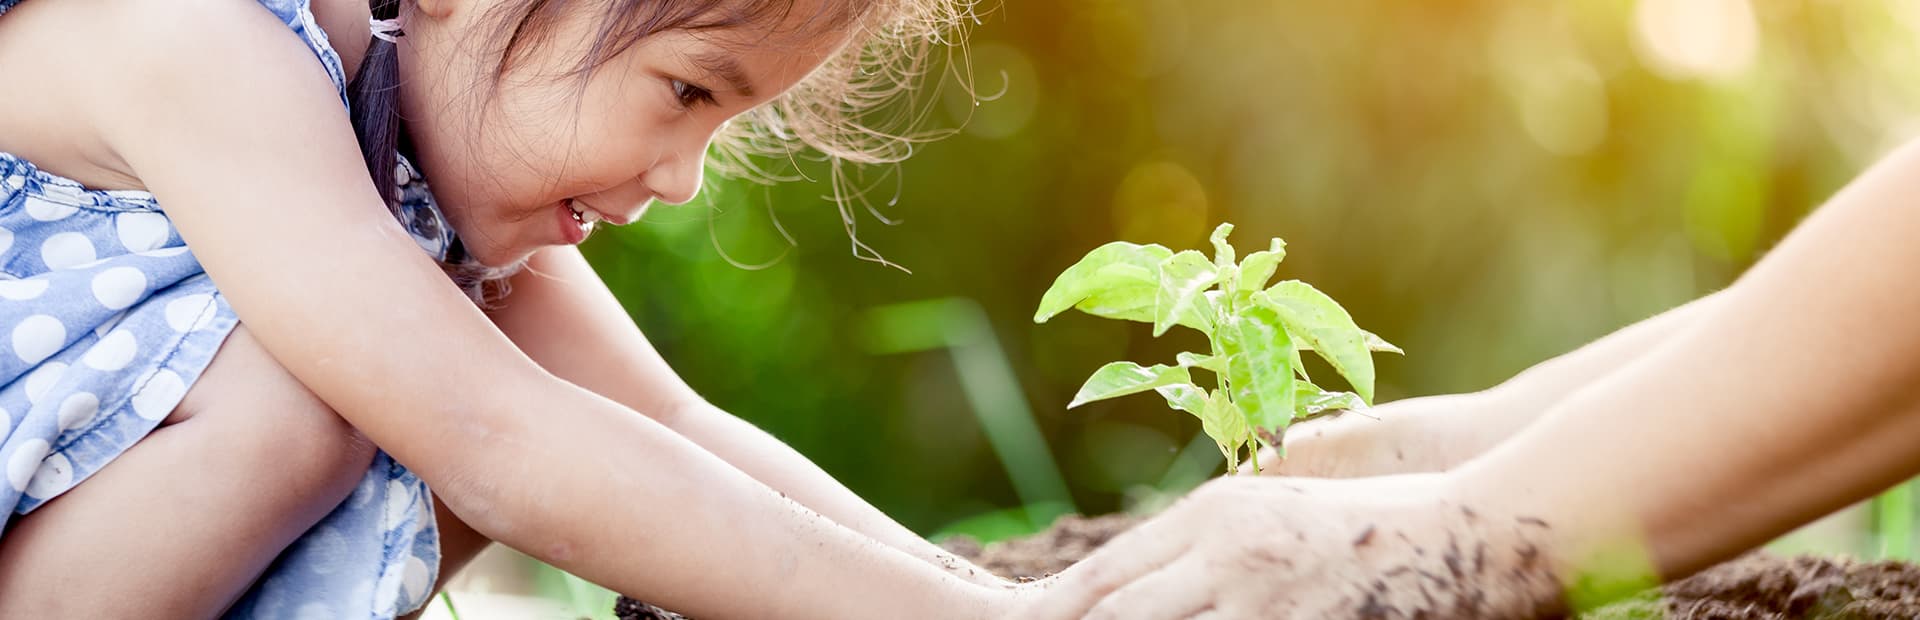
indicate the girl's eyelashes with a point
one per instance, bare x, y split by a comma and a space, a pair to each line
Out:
690, 96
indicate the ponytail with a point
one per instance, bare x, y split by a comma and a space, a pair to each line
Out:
373, 102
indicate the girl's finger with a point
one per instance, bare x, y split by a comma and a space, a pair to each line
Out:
1129, 557
1180, 590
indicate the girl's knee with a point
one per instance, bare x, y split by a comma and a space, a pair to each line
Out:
262, 412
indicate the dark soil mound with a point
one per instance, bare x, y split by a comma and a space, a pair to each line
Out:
629, 609
1761, 586
1071, 538
1753, 587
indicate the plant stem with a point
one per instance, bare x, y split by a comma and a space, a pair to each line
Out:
447, 597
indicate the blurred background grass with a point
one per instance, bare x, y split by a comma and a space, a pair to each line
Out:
1485, 183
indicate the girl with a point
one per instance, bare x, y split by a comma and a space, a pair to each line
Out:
1651, 454
219, 347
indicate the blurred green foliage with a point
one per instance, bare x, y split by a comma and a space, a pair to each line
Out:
1485, 183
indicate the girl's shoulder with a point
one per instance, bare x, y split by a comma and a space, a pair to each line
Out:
70, 97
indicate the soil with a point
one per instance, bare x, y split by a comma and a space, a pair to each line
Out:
629, 609
1756, 586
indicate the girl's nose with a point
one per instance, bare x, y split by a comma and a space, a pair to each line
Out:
676, 180
672, 182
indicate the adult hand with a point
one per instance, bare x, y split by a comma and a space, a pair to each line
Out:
1426, 434
1269, 547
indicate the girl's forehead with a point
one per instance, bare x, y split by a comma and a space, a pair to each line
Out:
750, 60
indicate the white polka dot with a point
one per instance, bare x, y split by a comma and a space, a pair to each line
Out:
161, 391
55, 475
24, 461
363, 494
67, 250
102, 330
77, 410
399, 501
46, 210
6, 240
43, 379
191, 312
119, 287
38, 337
326, 541
389, 588
22, 290
315, 611
413, 583
164, 252
112, 352
142, 231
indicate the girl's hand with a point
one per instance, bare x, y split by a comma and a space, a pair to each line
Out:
1017, 600
1253, 547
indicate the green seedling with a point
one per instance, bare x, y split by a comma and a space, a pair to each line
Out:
1256, 333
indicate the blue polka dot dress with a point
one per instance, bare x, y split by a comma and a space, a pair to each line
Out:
106, 320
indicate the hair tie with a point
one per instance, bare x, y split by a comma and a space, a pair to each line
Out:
386, 29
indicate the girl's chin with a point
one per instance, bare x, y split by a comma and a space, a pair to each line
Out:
500, 257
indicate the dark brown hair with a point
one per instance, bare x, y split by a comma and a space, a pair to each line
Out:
822, 112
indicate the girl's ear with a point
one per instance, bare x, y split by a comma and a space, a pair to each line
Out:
438, 9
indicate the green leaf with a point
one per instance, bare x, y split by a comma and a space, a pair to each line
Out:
1185, 397
1196, 360
1118, 280
1123, 378
1222, 251
1317, 319
1375, 344
1378, 344
1184, 279
1260, 371
1259, 266
1227, 425
1310, 400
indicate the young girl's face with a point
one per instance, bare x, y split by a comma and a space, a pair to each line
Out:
534, 162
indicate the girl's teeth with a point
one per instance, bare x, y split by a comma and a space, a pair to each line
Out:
583, 216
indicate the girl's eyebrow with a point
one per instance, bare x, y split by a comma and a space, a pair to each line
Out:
724, 66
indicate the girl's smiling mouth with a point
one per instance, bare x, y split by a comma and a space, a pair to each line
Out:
576, 221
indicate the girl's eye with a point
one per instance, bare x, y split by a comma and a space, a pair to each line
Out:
689, 95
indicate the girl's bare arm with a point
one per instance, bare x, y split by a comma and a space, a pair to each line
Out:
237, 131
562, 315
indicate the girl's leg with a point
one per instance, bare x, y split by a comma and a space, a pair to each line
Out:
182, 523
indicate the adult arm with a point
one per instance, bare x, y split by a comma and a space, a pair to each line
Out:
242, 137
1437, 433
1792, 396
562, 315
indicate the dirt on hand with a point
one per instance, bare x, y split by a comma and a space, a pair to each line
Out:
1756, 586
